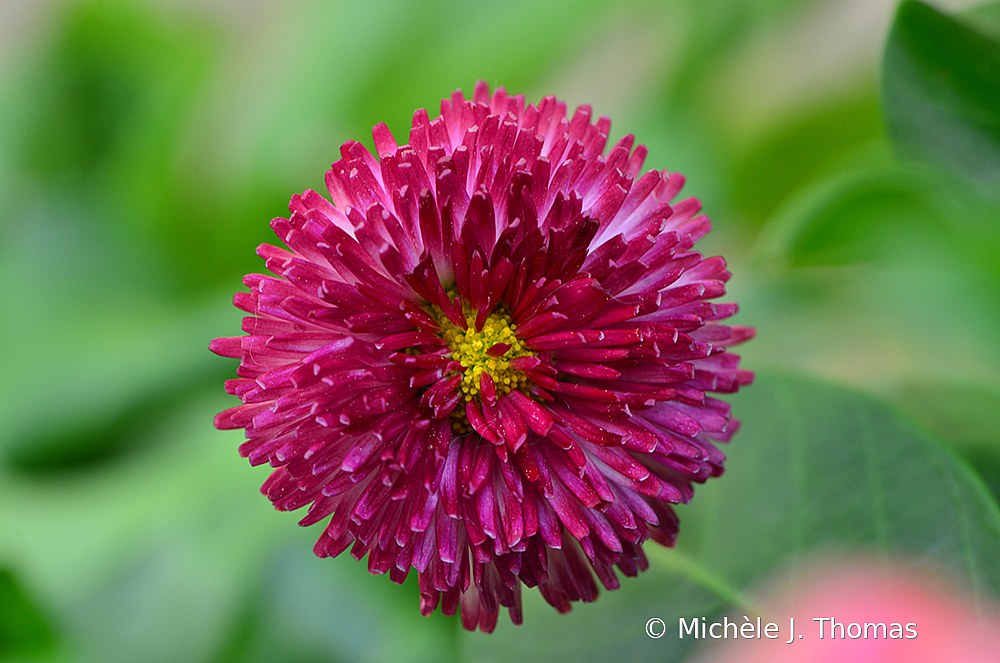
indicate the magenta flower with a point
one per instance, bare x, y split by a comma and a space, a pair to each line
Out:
488, 358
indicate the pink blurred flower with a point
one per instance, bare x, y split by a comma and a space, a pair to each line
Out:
927, 619
489, 358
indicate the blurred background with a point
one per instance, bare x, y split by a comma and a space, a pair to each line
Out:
145, 146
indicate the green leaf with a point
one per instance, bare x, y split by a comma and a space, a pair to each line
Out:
170, 553
899, 256
145, 558
816, 469
24, 631
311, 609
802, 148
965, 414
883, 213
846, 219
819, 466
941, 88
92, 401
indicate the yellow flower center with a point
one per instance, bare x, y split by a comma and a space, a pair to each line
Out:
485, 352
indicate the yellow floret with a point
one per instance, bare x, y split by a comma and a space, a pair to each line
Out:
469, 347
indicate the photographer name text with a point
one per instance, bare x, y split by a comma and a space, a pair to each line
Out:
824, 628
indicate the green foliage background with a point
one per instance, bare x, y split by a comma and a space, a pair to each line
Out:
851, 172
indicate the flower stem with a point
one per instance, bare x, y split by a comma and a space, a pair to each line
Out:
680, 563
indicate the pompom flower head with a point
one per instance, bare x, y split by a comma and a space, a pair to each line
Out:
488, 356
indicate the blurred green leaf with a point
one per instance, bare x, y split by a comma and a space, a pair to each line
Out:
421, 67
985, 17
112, 97
96, 400
941, 86
894, 255
715, 30
144, 558
172, 554
815, 469
116, 78
800, 150
885, 213
846, 220
25, 633
819, 466
967, 415
323, 610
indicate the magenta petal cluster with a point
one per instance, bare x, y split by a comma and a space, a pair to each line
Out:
488, 356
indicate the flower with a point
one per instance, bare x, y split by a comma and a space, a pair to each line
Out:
858, 608
489, 357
